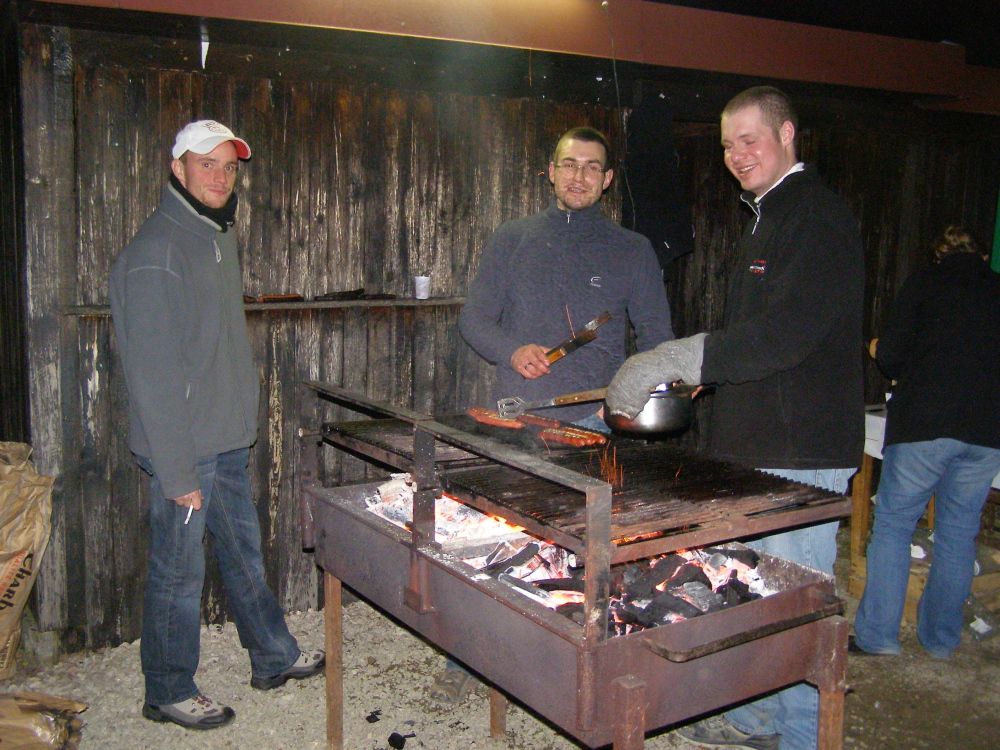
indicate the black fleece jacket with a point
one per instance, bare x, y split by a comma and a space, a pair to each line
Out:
942, 346
788, 359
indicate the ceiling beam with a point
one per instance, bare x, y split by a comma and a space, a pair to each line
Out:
642, 32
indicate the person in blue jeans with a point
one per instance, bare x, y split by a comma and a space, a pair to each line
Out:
540, 277
942, 347
176, 296
787, 364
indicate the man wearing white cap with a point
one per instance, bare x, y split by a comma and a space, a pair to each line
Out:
176, 297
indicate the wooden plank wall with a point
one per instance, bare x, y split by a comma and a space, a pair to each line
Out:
352, 185
349, 187
13, 333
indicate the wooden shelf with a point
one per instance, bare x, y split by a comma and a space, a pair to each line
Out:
105, 310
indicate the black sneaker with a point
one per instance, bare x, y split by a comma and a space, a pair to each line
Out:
716, 731
305, 666
200, 712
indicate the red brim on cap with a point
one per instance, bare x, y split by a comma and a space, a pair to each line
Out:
209, 144
242, 148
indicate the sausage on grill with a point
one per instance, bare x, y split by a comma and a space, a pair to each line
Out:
488, 416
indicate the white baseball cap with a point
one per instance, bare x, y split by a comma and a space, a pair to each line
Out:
203, 136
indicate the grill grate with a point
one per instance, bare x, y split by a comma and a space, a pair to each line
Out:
665, 489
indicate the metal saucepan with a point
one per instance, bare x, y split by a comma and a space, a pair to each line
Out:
667, 410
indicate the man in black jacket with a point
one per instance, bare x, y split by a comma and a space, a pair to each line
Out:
942, 438
787, 361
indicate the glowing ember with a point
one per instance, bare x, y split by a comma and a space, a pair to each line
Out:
644, 594
608, 467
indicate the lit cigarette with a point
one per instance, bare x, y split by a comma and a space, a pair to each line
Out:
190, 508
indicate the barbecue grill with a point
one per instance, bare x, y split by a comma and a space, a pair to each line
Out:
597, 688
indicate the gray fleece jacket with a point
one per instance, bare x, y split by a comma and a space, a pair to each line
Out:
176, 297
534, 271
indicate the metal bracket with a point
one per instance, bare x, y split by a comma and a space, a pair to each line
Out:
416, 595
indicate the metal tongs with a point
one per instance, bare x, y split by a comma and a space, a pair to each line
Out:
513, 406
579, 338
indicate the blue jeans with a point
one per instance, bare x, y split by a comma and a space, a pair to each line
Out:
958, 475
170, 623
794, 712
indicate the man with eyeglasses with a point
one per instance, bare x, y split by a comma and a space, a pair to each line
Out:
563, 267
543, 276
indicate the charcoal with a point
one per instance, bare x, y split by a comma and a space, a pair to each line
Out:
702, 596
397, 741
493, 555
741, 590
374, 716
527, 552
631, 614
748, 557
666, 567
667, 604
689, 573
640, 581
561, 584
624, 577
718, 560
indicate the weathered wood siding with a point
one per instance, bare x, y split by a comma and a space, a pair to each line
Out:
348, 187
353, 183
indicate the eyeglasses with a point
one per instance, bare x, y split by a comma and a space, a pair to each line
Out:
587, 170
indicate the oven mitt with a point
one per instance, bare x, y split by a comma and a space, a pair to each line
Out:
671, 361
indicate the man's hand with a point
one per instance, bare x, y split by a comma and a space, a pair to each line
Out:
190, 500
669, 362
529, 361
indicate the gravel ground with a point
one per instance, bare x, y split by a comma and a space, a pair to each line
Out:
897, 703
386, 669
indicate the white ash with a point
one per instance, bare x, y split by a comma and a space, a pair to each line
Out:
456, 525
386, 669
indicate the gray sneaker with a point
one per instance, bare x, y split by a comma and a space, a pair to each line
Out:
716, 731
305, 666
200, 712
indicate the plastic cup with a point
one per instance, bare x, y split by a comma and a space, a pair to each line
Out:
422, 287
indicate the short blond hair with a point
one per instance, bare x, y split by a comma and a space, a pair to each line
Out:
774, 104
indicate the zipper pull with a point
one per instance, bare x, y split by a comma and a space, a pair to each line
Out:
218, 253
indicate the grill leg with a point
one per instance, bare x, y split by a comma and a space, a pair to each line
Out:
831, 720
498, 714
830, 676
630, 713
334, 664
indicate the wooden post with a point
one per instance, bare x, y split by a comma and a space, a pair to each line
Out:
498, 714
861, 494
334, 664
